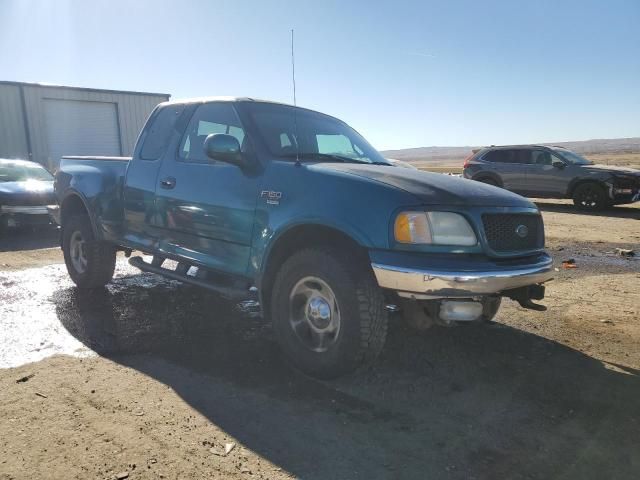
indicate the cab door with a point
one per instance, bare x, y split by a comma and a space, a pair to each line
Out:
142, 173
205, 207
548, 175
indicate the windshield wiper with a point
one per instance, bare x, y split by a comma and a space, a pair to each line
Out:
331, 157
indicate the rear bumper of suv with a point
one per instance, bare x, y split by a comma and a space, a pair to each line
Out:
459, 278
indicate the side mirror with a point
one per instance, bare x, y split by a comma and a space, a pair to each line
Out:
224, 148
559, 165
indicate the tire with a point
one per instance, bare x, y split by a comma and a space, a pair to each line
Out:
488, 181
590, 196
90, 262
328, 313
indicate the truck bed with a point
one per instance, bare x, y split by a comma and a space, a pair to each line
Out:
80, 157
98, 181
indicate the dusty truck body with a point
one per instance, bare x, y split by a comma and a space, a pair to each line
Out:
296, 209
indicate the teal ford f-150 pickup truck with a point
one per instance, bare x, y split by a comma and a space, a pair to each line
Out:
294, 208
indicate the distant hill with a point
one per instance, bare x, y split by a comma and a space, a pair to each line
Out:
448, 155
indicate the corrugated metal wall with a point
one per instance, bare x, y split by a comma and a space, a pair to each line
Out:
132, 108
13, 141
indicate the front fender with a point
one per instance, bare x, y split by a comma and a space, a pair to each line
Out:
351, 205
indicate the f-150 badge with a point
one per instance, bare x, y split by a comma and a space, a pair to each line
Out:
272, 198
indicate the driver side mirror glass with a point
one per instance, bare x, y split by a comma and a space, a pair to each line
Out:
225, 148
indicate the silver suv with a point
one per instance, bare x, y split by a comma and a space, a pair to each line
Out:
554, 172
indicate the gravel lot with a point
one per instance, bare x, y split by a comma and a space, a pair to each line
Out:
150, 379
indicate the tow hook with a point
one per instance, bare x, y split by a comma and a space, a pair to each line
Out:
524, 295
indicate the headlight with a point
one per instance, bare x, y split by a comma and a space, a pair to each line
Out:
436, 228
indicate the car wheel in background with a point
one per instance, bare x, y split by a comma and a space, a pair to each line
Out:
90, 262
590, 196
328, 314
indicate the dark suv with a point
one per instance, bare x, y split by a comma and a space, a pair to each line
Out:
554, 172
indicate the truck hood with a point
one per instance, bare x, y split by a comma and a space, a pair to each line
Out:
612, 169
28, 193
432, 188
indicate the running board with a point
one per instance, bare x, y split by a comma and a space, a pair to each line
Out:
233, 293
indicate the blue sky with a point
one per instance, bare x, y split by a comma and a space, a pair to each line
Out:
403, 73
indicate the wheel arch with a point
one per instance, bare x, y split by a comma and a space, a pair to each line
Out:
575, 183
297, 237
478, 177
74, 203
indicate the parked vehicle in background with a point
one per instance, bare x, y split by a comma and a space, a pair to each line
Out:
554, 172
295, 209
26, 191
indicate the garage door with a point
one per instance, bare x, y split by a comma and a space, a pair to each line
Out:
81, 128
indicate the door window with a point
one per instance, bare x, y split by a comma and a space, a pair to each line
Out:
540, 157
556, 158
158, 133
506, 156
210, 118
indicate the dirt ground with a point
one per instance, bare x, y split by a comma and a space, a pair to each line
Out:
150, 379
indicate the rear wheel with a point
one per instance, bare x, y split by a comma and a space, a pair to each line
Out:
590, 196
328, 314
90, 262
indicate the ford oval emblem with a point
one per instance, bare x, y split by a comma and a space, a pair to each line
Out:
522, 231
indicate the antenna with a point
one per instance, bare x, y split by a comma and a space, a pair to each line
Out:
293, 70
295, 105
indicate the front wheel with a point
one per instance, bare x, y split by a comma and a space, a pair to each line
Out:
328, 314
590, 196
90, 262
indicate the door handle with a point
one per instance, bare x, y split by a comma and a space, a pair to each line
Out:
168, 183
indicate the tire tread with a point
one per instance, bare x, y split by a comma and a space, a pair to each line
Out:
370, 304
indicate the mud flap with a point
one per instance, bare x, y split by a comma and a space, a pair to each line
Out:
525, 295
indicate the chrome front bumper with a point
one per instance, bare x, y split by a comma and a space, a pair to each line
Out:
423, 283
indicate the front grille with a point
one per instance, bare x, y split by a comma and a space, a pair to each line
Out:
513, 232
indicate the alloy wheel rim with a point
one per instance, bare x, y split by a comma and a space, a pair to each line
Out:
589, 198
77, 252
314, 315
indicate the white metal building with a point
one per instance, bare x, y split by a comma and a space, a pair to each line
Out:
44, 122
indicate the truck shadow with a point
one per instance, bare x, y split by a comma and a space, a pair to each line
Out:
631, 212
491, 402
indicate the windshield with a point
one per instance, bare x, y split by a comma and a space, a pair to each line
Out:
573, 158
22, 171
319, 136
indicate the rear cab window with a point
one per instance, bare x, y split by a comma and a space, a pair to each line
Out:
159, 132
